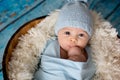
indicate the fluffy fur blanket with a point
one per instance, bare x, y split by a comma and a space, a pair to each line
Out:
104, 43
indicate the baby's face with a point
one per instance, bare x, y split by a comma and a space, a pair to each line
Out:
72, 37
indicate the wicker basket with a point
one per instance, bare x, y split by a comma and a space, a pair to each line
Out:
13, 42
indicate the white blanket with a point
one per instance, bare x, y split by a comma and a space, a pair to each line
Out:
53, 67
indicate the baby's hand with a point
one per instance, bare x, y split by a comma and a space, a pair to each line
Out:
76, 54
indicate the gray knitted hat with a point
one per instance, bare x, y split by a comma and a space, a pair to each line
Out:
75, 14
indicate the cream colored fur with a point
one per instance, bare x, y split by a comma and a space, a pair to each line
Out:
104, 43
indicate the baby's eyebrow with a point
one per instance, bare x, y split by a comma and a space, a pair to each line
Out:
84, 31
68, 29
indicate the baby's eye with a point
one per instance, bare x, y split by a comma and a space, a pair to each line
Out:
67, 33
81, 35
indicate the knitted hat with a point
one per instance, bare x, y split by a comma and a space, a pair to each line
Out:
75, 14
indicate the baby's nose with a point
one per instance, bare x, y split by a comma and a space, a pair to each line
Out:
73, 40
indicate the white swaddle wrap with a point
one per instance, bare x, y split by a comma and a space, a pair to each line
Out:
52, 67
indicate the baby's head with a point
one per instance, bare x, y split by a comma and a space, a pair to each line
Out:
74, 15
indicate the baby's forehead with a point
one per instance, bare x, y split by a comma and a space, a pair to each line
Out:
72, 29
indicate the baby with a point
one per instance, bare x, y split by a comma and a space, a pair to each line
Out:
68, 57
74, 29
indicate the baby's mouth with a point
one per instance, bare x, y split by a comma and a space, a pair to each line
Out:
74, 46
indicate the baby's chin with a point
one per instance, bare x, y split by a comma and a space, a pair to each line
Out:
68, 48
